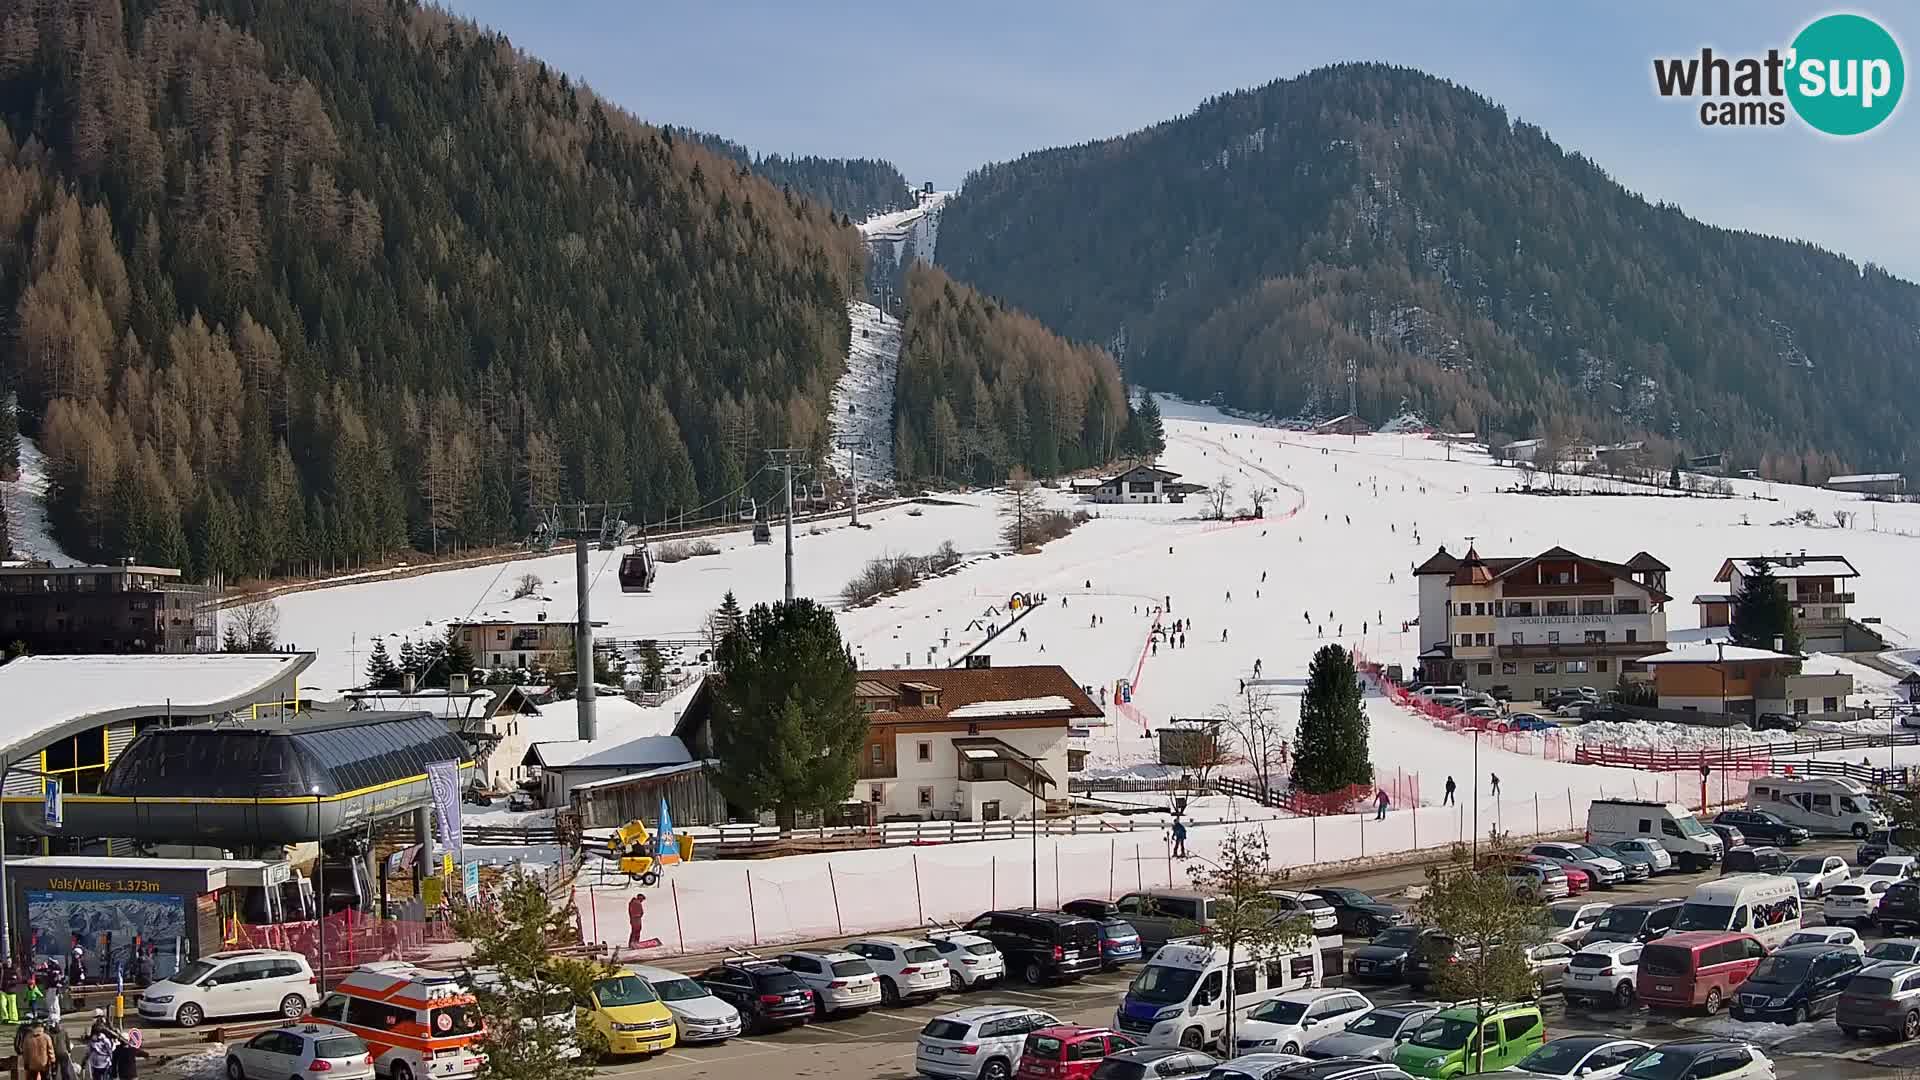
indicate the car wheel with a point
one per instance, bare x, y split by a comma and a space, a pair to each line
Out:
1910, 1027
189, 1015
1623, 996
234, 1069
1800, 1016
954, 982
889, 993
1193, 1038
292, 1006
402, 1071
1035, 976
1290, 1048
1713, 1002
1365, 927
994, 1069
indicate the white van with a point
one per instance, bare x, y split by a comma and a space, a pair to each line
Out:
1183, 989
1822, 805
1764, 905
1694, 846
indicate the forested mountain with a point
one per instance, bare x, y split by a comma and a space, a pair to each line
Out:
982, 388
1470, 268
855, 187
308, 281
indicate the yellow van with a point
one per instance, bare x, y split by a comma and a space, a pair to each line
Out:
630, 1016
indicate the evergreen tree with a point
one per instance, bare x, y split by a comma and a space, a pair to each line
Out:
9, 435
1762, 612
409, 658
1153, 431
382, 674
1330, 744
515, 975
787, 731
458, 659
653, 666
1673, 478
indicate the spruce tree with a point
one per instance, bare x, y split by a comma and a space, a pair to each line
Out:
1330, 745
1153, 431
458, 658
382, 673
1762, 612
9, 435
409, 658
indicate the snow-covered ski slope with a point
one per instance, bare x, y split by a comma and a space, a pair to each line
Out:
26, 501
863, 399
919, 224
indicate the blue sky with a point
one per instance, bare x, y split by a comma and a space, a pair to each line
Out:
941, 88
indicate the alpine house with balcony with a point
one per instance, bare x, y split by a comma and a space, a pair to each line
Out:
1538, 623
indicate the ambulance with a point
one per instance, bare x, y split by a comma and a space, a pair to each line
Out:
419, 1024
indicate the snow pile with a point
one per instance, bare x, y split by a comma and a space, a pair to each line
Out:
1407, 423
200, 1065
26, 502
863, 400
1039, 706
1757, 1032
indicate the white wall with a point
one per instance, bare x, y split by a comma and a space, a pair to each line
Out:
1434, 594
941, 772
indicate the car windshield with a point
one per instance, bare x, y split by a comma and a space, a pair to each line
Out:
335, 1047
1658, 1065
1401, 937
1112, 1069
193, 973
678, 989
1163, 985
1783, 969
623, 990
1807, 866
1351, 896
980, 948
780, 982
948, 1030
1444, 1033
1605, 851
1891, 950
1563, 916
1379, 1023
1581, 851
1044, 1046
1704, 917
1279, 1012
1690, 826
852, 967
1886, 868
1870, 986
1624, 918
922, 954
1556, 1058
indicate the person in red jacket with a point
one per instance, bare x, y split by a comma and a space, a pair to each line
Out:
636, 911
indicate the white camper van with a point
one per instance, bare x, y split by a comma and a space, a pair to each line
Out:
1181, 992
1822, 805
1764, 905
1694, 846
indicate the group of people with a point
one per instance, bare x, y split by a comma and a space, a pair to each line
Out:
42, 1050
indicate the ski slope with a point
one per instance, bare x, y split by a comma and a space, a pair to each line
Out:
863, 400
26, 502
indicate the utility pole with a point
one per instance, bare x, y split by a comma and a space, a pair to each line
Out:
787, 460
853, 446
584, 535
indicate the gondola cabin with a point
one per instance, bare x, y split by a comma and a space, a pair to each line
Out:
762, 533
637, 570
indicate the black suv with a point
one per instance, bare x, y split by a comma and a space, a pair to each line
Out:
1742, 859
768, 996
1764, 826
1899, 907
1044, 946
1432, 950
1642, 921
1796, 983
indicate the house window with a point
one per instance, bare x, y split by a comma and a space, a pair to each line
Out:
1829, 612
1480, 640
1466, 640
1593, 607
876, 793
1545, 667
1600, 666
1520, 609
1633, 635
1800, 706
1831, 704
923, 751
1479, 609
1499, 607
1559, 607
1596, 637
1519, 638
877, 753
1553, 637
1576, 667
500, 634
1627, 606
1562, 577
1486, 669
1509, 668
1466, 609
926, 796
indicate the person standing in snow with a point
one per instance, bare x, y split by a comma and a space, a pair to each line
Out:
1496, 784
1179, 839
636, 914
1448, 800
1381, 813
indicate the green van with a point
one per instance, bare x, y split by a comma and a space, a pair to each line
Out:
1444, 1046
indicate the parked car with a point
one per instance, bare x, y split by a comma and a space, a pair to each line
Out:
1882, 997
972, 961
1548, 960
982, 1043
1856, 902
1696, 969
1899, 907
841, 981
1901, 950
1639, 865
1376, 1033
1539, 880
1776, 721
699, 1015
1119, 941
626, 1011
1384, 958
1746, 859
1156, 1063
1570, 920
1796, 983
1290, 903
1883, 842
1815, 874
1435, 949
1764, 826
1605, 872
1445, 1045
1706, 1056
1640, 921
767, 995
1342, 1069
1602, 973
1827, 935
1044, 946
1068, 1052
1728, 834
474, 796
1530, 722
240, 982
1291, 1022
1358, 914
908, 968
1256, 1067
520, 802
1649, 847
1582, 1057
298, 1051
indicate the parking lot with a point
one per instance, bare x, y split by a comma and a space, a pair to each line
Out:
880, 1044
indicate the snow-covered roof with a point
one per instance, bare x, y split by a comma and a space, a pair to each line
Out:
1789, 566
1038, 706
472, 703
1864, 478
643, 774
644, 750
51, 696
1704, 653
1713, 598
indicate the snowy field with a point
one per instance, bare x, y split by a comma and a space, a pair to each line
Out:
26, 501
1347, 521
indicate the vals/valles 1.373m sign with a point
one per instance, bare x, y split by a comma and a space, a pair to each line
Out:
1842, 75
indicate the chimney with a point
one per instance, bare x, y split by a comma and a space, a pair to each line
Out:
1779, 643
408, 682
457, 682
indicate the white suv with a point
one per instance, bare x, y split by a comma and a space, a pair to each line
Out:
244, 982
971, 959
841, 982
980, 1042
1325, 919
1289, 1023
908, 967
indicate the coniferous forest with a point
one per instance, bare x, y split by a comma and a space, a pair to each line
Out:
289, 285
856, 188
1473, 272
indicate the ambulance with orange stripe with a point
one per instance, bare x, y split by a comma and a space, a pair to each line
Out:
419, 1024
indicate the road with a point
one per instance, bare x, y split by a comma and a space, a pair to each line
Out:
880, 1044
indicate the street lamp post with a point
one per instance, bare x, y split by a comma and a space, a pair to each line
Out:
1476, 796
320, 891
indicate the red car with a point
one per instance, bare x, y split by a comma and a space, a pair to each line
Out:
1577, 879
1068, 1052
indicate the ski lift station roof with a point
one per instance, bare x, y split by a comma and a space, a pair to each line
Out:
54, 697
